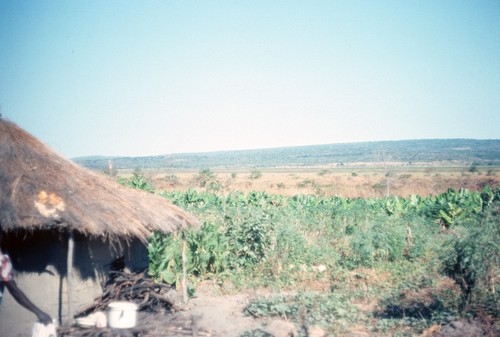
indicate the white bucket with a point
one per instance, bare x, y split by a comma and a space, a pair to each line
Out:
122, 315
42, 330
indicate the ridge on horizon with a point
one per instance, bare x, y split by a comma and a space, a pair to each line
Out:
465, 151
287, 147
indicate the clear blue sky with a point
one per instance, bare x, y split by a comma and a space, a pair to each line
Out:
155, 77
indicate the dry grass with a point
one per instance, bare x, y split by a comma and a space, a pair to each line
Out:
352, 183
41, 190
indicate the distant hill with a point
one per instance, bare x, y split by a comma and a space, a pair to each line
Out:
414, 152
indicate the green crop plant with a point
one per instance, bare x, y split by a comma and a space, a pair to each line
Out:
372, 249
165, 260
250, 231
395, 205
451, 207
209, 250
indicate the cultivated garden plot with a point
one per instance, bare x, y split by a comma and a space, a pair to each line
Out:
338, 266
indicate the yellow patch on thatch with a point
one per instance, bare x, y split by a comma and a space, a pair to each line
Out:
49, 204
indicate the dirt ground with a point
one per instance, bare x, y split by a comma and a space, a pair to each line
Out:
221, 314
209, 314
212, 314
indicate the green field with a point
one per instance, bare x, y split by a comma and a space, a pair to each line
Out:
385, 266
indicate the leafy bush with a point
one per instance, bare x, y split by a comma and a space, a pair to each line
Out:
250, 233
209, 250
204, 177
255, 174
137, 181
172, 180
451, 207
473, 260
165, 261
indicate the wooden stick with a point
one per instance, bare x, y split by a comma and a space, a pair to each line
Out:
69, 275
184, 272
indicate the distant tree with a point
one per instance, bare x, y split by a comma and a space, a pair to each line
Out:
172, 180
474, 167
383, 158
204, 177
255, 174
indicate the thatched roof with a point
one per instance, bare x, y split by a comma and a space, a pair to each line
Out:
40, 189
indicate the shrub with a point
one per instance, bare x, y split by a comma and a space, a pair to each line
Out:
172, 180
204, 177
255, 174
138, 181
250, 233
323, 172
473, 260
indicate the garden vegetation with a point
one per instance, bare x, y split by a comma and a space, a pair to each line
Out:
393, 265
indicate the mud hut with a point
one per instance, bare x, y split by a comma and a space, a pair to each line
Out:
66, 226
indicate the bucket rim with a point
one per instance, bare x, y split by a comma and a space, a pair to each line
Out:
123, 305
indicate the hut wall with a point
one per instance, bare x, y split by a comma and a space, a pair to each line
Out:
40, 265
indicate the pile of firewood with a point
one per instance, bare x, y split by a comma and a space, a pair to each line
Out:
159, 307
150, 296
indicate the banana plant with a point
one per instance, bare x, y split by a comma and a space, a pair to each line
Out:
456, 206
451, 214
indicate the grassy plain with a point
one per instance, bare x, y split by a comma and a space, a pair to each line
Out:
352, 182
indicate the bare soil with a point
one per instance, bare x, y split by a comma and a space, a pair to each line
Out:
210, 313
220, 314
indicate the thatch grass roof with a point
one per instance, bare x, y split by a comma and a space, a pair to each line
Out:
40, 189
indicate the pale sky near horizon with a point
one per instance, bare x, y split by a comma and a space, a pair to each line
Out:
134, 78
